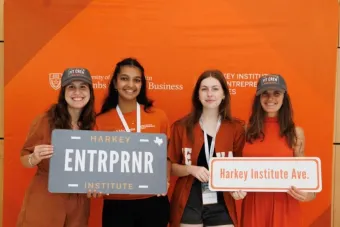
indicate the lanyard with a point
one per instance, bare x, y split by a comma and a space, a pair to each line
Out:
209, 154
122, 119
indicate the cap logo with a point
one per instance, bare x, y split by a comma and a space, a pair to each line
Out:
270, 80
76, 72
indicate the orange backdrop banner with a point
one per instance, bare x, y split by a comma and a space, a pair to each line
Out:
175, 41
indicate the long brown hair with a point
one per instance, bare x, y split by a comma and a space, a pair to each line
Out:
59, 117
192, 118
285, 120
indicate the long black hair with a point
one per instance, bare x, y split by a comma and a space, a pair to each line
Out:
111, 100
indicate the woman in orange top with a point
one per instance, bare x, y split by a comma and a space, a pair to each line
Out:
74, 110
209, 130
127, 108
271, 132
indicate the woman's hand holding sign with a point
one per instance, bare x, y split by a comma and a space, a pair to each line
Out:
301, 195
238, 195
202, 174
40, 152
199, 172
94, 194
164, 194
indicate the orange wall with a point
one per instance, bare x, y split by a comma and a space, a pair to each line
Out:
175, 40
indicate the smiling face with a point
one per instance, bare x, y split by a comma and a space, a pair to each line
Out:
271, 101
77, 94
129, 82
211, 93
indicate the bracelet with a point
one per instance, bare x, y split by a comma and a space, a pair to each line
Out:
30, 160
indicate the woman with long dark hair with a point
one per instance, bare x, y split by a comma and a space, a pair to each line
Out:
128, 108
208, 131
271, 132
74, 110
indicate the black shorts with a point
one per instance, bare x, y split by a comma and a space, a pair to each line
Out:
151, 212
197, 213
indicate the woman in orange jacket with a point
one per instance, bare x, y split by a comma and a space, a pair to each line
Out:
208, 131
74, 110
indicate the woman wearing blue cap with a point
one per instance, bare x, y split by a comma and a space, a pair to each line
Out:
74, 110
271, 132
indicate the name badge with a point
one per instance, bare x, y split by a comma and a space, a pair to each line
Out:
208, 197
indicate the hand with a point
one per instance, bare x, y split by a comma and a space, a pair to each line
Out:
238, 195
94, 194
41, 152
164, 194
199, 172
301, 195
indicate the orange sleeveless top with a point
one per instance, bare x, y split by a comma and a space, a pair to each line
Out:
270, 209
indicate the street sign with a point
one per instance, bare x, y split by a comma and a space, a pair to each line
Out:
265, 174
108, 162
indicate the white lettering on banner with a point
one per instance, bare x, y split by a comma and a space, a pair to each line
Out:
128, 162
102, 81
238, 81
187, 155
164, 86
242, 83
